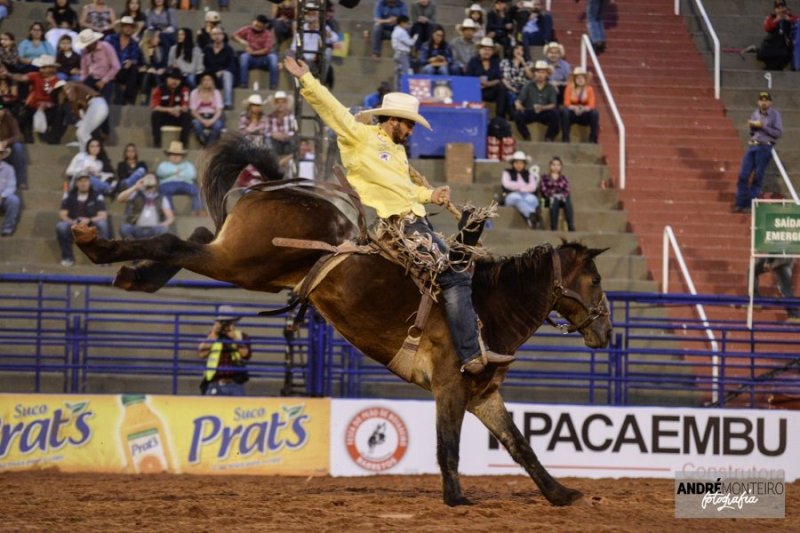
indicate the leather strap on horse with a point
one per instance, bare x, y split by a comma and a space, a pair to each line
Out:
338, 171
404, 362
592, 313
346, 247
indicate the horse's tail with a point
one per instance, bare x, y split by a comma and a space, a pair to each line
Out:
223, 163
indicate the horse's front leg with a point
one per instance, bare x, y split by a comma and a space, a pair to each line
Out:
491, 410
450, 408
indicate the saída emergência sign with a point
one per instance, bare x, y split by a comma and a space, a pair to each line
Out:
180, 434
777, 228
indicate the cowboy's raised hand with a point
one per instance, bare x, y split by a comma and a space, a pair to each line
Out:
294, 67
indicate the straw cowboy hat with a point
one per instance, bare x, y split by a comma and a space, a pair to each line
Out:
474, 7
486, 42
126, 20
175, 147
557, 46
519, 155
45, 61
282, 95
87, 37
254, 99
468, 23
543, 65
580, 71
212, 16
399, 105
227, 313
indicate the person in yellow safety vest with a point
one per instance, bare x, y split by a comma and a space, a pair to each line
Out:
226, 350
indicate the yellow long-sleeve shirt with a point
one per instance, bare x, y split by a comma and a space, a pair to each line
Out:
377, 168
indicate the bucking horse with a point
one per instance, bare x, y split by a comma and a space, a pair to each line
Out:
369, 299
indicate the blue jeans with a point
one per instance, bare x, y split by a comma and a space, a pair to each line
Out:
10, 205
755, 161
130, 231
525, 202
181, 187
595, 11
402, 64
380, 32
435, 71
64, 235
213, 133
17, 160
266, 62
228, 389
566, 205
457, 293
227, 86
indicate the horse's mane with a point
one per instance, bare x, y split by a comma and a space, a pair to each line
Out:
494, 271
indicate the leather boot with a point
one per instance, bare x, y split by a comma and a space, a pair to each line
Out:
477, 364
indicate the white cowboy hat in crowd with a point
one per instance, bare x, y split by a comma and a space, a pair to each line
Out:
557, 46
226, 313
87, 37
212, 16
254, 99
399, 105
176, 147
466, 24
126, 20
543, 65
45, 61
486, 42
519, 155
580, 71
474, 7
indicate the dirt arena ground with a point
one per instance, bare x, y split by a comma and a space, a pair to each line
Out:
49, 501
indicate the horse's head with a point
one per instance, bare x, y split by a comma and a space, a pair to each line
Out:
579, 296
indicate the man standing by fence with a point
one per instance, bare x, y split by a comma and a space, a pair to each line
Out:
226, 351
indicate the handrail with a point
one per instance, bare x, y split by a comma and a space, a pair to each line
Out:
714, 38
586, 44
785, 176
670, 241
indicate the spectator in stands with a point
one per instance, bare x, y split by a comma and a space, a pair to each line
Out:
220, 60
87, 105
42, 83
206, 107
537, 103
96, 164
486, 66
281, 126
35, 45
170, 107
130, 59
476, 13
311, 44
185, 56
226, 351
463, 46
9, 54
579, 106
500, 25
54, 36
330, 20
62, 15
69, 62
534, 23
766, 127
283, 16
164, 20
777, 47
260, 52
11, 138
9, 201
5, 9
595, 15
99, 63
520, 186
253, 121
555, 190
179, 177
81, 205
402, 44
435, 56
9, 96
133, 9
212, 21
423, 19
782, 267
385, 18
154, 59
516, 73
147, 211
130, 169
98, 17
554, 55
373, 100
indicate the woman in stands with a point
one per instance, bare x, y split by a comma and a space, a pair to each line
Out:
435, 56
579, 106
186, 56
253, 122
61, 15
133, 9
9, 54
99, 17
155, 63
96, 163
34, 46
165, 20
283, 19
476, 13
516, 73
130, 168
205, 104
555, 190
520, 186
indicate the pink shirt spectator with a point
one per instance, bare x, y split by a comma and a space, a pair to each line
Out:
205, 107
519, 184
101, 63
259, 42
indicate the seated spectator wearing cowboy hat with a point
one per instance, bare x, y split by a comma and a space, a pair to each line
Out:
170, 107
99, 62
554, 55
40, 98
537, 103
463, 46
226, 350
252, 121
81, 205
281, 126
486, 66
520, 187
212, 20
579, 106
130, 58
147, 211
9, 201
179, 176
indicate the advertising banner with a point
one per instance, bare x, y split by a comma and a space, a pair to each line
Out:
585, 441
178, 434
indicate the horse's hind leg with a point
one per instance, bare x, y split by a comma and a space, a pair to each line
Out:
450, 408
492, 412
149, 276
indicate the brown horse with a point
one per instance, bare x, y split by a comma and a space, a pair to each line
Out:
368, 299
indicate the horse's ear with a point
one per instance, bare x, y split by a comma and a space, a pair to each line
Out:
594, 252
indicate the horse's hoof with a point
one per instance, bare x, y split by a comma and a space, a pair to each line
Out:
458, 500
125, 278
84, 234
567, 497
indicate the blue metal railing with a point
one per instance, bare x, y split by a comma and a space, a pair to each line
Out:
69, 331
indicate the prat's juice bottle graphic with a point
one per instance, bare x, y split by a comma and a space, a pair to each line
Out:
143, 437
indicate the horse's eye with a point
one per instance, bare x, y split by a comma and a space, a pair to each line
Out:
596, 280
